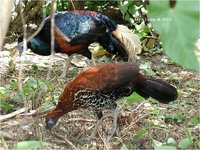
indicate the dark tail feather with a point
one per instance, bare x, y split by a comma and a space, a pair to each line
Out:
120, 49
113, 46
157, 89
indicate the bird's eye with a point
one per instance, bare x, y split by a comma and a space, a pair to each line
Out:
128, 91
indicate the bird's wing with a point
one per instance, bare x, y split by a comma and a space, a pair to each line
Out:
107, 77
79, 28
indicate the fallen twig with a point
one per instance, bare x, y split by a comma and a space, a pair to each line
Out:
13, 114
41, 24
6, 135
80, 120
66, 140
53, 9
4, 144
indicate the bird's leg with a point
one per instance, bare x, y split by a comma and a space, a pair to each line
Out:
99, 121
66, 67
114, 126
93, 61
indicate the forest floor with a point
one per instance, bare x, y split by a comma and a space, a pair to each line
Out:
146, 124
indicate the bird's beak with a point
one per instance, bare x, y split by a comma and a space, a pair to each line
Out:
50, 124
20, 48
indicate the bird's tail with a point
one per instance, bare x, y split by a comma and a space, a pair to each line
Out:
157, 89
130, 41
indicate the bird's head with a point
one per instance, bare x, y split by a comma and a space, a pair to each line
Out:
20, 45
50, 123
50, 120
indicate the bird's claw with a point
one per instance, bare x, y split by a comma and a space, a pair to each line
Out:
111, 134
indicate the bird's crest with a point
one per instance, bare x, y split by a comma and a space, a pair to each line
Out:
130, 41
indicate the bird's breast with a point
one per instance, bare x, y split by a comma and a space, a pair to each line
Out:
66, 47
95, 100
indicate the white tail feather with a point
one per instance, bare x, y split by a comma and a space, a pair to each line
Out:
130, 41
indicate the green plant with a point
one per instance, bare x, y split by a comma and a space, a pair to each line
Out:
178, 29
177, 26
140, 133
188, 141
29, 145
147, 67
133, 98
170, 144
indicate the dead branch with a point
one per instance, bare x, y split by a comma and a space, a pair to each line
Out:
13, 114
66, 140
81, 120
40, 26
30, 10
53, 10
24, 49
76, 5
5, 11
6, 135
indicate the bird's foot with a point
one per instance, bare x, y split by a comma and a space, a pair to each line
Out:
114, 125
111, 134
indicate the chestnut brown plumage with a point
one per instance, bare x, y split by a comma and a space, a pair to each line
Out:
99, 88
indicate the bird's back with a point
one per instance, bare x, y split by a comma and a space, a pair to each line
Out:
73, 33
106, 77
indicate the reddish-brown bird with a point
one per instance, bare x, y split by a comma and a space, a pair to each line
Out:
99, 88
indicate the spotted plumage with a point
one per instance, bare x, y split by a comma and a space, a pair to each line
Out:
99, 87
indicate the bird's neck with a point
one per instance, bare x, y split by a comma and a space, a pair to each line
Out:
61, 109
64, 105
56, 113
39, 47
110, 24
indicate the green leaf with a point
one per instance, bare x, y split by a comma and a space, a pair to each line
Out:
145, 66
14, 85
197, 126
185, 143
165, 147
29, 145
134, 98
43, 86
123, 8
156, 143
131, 7
140, 133
171, 142
123, 147
178, 28
176, 117
6, 106
34, 67
26, 89
194, 120
159, 146
188, 133
150, 72
32, 82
